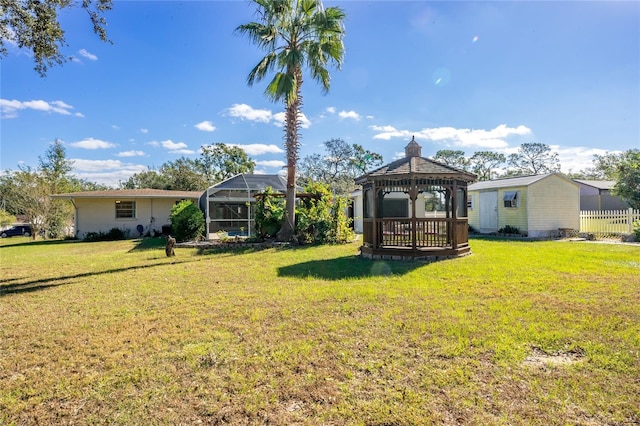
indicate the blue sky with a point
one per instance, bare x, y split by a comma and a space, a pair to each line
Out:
457, 75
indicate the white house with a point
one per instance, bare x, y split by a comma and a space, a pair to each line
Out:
539, 205
135, 211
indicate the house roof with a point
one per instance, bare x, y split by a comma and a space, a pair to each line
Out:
419, 166
131, 193
600, 184
511, 182
251, 182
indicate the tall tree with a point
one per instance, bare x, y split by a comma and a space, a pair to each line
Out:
628, 178
484, 164
220, 161
338, 166
148, 179
453, 158
294, 34
184, 174
33, 25
533, 159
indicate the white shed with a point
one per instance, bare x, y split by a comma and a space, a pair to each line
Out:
538, 205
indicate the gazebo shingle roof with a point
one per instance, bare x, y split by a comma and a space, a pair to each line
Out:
417, 166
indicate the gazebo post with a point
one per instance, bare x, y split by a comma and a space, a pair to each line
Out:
413, 195
374, 208
454, 215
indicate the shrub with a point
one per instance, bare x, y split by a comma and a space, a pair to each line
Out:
321, 218
187, 221
114, 234
508, 229
269, 214
636, 230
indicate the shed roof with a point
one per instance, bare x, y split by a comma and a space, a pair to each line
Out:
513, 182
131, 193
251, 182
600, 184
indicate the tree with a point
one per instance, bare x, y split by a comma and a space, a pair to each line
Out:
483, 164
219, 162
339, 166
149, 179
453, 158
294, 34
183, 174
34, 25
534, 158
6, 219
26, 192
628, 178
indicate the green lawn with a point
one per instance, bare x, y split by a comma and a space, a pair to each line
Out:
517, 333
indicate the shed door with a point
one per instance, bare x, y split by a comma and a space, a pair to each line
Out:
489, 211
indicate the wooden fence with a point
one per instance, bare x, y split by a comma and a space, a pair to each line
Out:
609, 222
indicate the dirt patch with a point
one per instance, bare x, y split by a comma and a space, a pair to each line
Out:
540, 358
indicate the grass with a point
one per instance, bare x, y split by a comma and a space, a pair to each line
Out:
115, 332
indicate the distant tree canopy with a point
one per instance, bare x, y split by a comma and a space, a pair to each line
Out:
627, 177
453, 158
533, 159
25, 192
33, 25
217, 162
338, 167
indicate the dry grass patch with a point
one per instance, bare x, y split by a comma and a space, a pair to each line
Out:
116, 333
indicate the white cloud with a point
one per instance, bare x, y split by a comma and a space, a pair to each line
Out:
106, 172
10, 108
246, 112
205, 126
91, 143
259, 149
79, 114
349, 114
331, 110
479, 138
145, 131
114, 127
175, 147
84, 53
132, 153
271, 163
573, 159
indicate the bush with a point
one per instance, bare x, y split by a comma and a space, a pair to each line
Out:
508, 229
636, 230
114, 234
187, 221
269, 214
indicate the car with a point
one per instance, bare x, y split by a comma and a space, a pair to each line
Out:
16, 231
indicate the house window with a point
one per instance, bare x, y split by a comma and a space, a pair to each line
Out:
125, 209
511, 199
471, 202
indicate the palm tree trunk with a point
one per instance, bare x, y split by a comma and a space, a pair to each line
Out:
287, 232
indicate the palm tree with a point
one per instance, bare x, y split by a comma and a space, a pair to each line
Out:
294, 34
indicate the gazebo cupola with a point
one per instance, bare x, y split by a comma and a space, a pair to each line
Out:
415, 208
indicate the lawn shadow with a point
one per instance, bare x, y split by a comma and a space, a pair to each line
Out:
38, 243
348, 267
44, 283
150, 243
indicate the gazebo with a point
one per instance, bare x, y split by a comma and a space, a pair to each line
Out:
415, 208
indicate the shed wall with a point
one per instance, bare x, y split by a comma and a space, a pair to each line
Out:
553, 203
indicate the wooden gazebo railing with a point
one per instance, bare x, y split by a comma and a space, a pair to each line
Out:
430, 233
